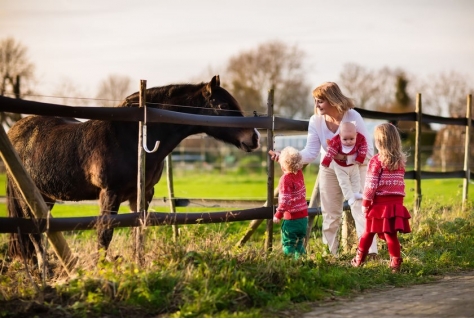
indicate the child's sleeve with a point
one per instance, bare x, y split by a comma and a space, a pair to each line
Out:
362, 150
374, 169
331, 152
284, 196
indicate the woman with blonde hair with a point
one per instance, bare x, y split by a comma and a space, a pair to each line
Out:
331, 108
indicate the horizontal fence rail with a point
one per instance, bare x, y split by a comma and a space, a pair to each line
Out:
134, 219
132, 114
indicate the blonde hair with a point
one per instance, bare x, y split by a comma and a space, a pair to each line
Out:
331, 92
291, 159
388, 142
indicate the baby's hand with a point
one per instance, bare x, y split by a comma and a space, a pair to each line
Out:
274, 155
276, 220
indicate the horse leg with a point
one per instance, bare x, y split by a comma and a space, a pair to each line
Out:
28, 246
148, 198
20, 245
37, 240
109, 205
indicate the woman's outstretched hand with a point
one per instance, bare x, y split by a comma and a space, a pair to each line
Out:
274, 155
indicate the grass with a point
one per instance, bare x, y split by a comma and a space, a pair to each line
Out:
204, 273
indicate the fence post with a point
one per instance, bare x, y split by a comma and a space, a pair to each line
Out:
467, 152
417, 164
139, 232
271, 172
314, 202
169, 179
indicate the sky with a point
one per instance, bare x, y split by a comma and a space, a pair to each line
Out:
177, 41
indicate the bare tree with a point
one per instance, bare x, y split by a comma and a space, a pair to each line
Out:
114, 89
446, 93
442, 94
68, 93
272, 65
370, 89
15, 69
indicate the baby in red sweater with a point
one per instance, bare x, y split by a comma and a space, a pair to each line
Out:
347, 142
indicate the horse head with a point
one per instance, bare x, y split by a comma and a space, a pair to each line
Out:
220, 102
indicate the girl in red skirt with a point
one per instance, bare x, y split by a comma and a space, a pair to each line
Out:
383, 196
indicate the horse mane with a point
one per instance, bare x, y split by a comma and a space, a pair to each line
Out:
178, 94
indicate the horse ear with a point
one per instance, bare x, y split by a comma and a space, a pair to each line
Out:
215, 82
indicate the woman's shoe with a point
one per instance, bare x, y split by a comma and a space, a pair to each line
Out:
395, 263
359, 259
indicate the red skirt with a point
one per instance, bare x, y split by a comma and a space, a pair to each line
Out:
387, 215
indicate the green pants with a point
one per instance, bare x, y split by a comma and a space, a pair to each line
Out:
293, 233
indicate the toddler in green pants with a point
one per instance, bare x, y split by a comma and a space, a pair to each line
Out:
292, 205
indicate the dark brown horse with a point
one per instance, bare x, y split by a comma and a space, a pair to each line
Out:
73, 161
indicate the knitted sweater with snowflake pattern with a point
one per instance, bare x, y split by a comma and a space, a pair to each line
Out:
291, 196
380, 181
335, 147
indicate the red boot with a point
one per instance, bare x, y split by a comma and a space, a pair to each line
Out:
359, 259
395, 263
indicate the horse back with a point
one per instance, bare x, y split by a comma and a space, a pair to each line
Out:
67, 159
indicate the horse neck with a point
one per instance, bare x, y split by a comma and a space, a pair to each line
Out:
169, 135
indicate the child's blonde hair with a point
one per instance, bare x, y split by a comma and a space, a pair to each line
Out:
388, 142
331, 92
291, 159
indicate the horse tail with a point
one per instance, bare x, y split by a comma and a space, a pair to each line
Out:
19, 244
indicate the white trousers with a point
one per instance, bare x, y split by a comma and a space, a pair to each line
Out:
332, 200
348, 178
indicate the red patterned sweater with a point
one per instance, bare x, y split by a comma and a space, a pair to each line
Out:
335, 147
291, 196
380, 181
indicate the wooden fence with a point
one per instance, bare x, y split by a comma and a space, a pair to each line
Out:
269, 122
